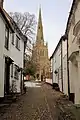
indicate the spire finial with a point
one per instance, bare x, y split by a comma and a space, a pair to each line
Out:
40, 11
40, 6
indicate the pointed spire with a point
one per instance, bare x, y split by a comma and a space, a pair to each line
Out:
40, 38
40, 18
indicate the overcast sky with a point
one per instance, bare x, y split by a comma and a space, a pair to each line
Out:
54, 14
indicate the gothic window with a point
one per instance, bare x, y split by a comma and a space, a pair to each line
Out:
41, 37
43, 52
37, 52
40, 53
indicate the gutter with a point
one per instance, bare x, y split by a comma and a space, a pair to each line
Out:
7, 21
68, 70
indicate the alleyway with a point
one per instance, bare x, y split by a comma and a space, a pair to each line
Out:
40, 102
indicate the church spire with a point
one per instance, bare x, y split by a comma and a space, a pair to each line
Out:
40, 17
40, 38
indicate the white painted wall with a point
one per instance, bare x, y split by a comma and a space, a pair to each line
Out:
64, 62
49, 81
17, 57
65, 78
74, 71
57, 78
57, 66
13, 53
2, 37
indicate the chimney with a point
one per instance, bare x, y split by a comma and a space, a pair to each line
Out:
1, 3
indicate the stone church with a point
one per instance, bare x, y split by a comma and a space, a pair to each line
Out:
40, 53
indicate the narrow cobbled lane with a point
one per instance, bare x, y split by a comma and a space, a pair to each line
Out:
39, 103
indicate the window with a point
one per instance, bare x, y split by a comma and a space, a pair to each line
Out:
13, 38
40, 53
17, 42
11, 70
6, 37
16, 74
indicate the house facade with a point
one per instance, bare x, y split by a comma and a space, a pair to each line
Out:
56, 64
11, 55
3, 23
73, 32
66, 57
59, 65
64, 67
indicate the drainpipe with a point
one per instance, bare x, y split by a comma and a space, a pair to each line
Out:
65, 37
25, 42
62, 64
68, 70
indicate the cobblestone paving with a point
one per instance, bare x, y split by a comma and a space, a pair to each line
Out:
39, 103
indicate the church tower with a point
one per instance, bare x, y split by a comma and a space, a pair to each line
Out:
40, 52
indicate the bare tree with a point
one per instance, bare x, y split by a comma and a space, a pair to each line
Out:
27, 24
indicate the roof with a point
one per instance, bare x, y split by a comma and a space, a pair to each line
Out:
67, 27
5, 17
56, 47
68, 22
13, 24
24, 38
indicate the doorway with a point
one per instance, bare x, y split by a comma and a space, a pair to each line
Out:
37, 76
72, 97
41, 77
7, 76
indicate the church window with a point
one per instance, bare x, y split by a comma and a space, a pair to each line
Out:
40, 53
43, 52
41, 37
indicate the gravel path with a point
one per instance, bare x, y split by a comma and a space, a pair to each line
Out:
40, 102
